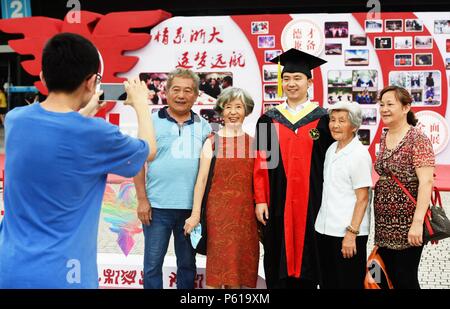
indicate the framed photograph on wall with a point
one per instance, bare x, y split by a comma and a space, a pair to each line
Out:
260, 27
270, 72
442, 26
403, 60
423, 59
339, 78
333, 49
423, 42
384, 42
358, 40
266, 41
338, 94
424, 86
270, 54
356, 57
336, 29
373, 26
364, 136
269, 105
365, 80
403, 42
413, 25
369, 116
271, 92
393, 25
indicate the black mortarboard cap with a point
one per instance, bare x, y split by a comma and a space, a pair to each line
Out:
294, 61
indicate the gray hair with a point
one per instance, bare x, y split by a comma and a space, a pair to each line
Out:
183, 73
231, 94
353, 109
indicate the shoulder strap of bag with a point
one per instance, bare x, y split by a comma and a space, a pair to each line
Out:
404, 189
435, 194
437, 198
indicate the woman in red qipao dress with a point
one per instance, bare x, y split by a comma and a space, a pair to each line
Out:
232, 245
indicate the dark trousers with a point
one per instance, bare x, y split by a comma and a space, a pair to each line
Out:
337, 272
157, 236
402, 266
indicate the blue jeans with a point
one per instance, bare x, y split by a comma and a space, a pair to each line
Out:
157, 236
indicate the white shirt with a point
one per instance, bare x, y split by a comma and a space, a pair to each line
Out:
297, 109
343, 172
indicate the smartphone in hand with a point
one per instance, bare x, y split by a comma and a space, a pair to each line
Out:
113, 92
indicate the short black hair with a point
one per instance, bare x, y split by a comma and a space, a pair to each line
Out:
228, 79
67, 60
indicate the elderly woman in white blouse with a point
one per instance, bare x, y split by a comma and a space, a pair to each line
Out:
342, 225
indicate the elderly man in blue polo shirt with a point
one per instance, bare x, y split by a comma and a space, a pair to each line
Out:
165, 190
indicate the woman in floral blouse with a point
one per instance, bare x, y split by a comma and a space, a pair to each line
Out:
408, 154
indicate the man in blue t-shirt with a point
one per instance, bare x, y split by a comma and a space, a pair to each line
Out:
165, 196
57, 161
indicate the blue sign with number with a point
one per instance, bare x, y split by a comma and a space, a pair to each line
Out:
16, 8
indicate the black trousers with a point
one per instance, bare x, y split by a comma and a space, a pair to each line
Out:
402, 266
337, 272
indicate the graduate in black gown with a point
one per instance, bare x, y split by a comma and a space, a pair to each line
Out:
291, 142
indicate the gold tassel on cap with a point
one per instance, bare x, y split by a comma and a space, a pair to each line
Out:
280, 87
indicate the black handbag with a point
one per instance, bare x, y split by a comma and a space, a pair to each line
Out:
201, 246
436, 225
